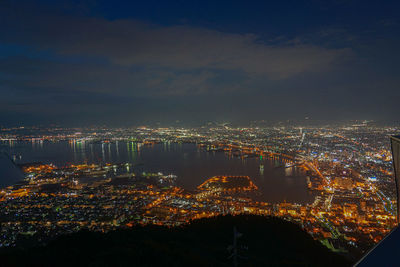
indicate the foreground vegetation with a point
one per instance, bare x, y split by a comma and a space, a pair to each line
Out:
264, 242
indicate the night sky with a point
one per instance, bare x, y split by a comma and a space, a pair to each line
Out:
118, 63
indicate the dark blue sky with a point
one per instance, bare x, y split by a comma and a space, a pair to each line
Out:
119, 63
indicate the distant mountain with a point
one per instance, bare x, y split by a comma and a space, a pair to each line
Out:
264, 241
9, 172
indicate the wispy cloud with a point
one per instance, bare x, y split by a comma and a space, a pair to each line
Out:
129, 43
60, 65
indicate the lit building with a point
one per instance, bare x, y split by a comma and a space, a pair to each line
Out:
395, 140
385, 253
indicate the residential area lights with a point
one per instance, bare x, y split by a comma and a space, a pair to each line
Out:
348, 170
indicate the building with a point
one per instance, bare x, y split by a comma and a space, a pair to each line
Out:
395, 140
386, 252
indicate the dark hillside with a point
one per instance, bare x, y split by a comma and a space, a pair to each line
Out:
265, 242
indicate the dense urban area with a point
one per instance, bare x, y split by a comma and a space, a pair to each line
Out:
348, 169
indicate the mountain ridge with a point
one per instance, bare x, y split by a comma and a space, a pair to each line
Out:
264, 241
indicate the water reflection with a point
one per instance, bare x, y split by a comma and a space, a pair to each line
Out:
192, 164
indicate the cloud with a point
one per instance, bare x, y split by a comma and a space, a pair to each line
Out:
181, 48
63, 66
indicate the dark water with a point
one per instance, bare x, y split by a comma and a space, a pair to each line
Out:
9, 172
191, 164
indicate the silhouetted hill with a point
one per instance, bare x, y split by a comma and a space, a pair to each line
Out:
269, 242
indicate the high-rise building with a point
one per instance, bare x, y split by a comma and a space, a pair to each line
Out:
386, 252
395, 140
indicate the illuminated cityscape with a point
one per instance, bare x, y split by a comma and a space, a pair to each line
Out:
348, 171
199, 133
